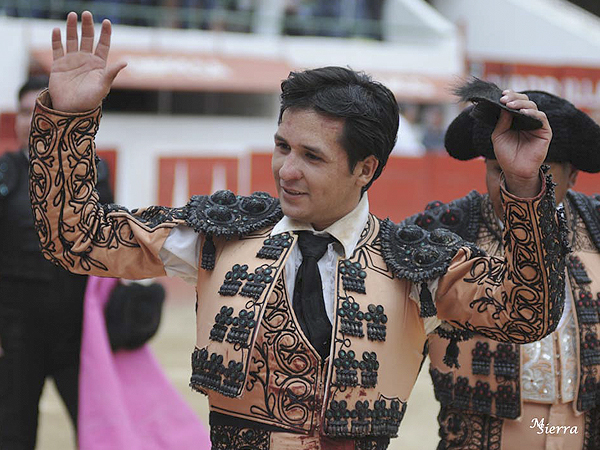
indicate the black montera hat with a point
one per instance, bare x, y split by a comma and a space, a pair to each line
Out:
575, 136
485, 95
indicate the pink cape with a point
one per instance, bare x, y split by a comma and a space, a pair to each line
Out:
125, 400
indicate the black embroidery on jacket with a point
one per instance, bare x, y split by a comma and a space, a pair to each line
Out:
274, 246
381, 419
591, 436
376, 322
229, 437
460, 394
465, 430
460, 216
577, 270
346, 369
418, 255
588, 393
257, 282
281, 367
380, 443
587, 308
209, 372
353, 276
233, 280
226, 214
482, 357
222, 321
588, 208
351, 318
506, 361
369, 367
76, 156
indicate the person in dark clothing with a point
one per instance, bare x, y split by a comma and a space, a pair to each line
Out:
41, 305
515, 394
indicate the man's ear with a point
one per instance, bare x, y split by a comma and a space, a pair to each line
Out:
572, 178
365, 170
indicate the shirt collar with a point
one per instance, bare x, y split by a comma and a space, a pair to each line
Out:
346, 230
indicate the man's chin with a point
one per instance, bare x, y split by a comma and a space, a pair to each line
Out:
294, 213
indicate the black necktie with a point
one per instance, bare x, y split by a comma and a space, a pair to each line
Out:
309, 305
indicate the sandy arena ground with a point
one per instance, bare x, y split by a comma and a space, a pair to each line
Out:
173, 345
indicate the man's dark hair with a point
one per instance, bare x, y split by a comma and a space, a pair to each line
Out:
369, 109
34, 83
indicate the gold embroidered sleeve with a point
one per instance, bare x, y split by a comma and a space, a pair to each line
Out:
75, 230
519, 298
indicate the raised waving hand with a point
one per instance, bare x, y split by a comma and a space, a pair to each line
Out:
80, 77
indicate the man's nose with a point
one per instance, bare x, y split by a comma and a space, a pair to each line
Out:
290, 169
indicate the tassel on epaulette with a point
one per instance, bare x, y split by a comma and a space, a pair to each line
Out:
454, 335
428, 308
452, 352
208, 253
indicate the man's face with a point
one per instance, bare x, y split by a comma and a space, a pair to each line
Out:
23, 120
563, 174
311, 171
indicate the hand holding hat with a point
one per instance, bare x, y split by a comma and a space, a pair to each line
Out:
575, 136
521, 136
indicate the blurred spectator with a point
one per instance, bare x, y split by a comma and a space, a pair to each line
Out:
336, 18
296, 20
335, 21
127, 12
434, 129
408, 142
369, 13
216, 15
41, 304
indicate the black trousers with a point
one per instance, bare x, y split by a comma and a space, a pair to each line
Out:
40, 334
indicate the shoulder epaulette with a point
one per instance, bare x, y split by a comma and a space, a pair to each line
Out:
417, 254
588, 208
461, 216
224, 214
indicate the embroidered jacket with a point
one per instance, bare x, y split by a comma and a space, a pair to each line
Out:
251, 356
495, 378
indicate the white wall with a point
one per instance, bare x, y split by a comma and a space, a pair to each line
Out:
534, 31
141, 140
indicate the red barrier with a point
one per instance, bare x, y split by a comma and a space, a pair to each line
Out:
408, 184
203, 176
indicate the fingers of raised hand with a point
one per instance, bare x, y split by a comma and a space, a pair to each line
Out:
104, 42
57, 48
87, 32
72, 41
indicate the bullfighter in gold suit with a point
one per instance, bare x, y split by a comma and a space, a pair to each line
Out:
312, 314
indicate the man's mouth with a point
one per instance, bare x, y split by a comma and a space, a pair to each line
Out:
292, 192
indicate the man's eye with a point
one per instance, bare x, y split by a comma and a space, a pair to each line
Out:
282, 146
313, 157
